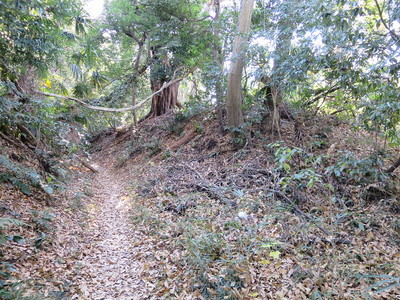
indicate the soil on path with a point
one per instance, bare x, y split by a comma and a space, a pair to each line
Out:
108, 267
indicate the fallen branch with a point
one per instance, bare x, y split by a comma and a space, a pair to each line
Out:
212, 192
205, 186
130, 108
197, 173
394, 166
30, 138
184, 140
299, 211
295, 208
6, 138
87, 165
260, 171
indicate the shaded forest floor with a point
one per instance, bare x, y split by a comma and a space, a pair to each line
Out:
175, 213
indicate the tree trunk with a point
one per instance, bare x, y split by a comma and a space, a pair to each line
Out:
133, 104
271, 119
164, 102
275, 101
234, 90
218, 59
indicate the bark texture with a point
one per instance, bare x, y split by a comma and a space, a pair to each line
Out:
234, 92
219, 61
163, 102
271, 119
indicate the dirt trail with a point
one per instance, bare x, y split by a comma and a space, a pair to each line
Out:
108, 267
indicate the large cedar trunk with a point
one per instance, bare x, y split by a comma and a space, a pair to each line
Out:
165, 101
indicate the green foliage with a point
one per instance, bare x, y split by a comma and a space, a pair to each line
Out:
121, 160
333, 56
381, 112
32, 33
204, 250
176, 127
7, 222
358, 170
4, 222
239, 135
15, 290
192, 108
288, 159
154, 145
22, 177
307, 176
5, 267
42, 220
176, 34
284, 155
48, 122
300, 168
389, 282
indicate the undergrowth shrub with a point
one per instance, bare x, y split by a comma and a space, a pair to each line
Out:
297, 167
303, 169
205, 251
49, 123
24, 178
191, 109
154, 145
176, 126
6, 268
379, 284
350, 168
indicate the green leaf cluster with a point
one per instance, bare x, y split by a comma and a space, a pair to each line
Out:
22, 177
32, 34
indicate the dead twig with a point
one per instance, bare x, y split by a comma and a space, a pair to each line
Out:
196, 172
294, 207
210, 190
14, 143
394, 166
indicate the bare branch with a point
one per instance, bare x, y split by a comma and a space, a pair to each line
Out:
394, 166
323, 94
125, 109
393, 34
129, 33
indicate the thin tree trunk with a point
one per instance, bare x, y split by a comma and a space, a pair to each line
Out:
234, 90
271, 119
134, 104
217, 58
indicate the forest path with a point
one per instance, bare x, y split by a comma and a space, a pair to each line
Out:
108, 266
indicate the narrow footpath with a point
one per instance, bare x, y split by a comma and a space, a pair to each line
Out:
108, 267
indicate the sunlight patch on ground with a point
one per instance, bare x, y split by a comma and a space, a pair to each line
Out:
124, 201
